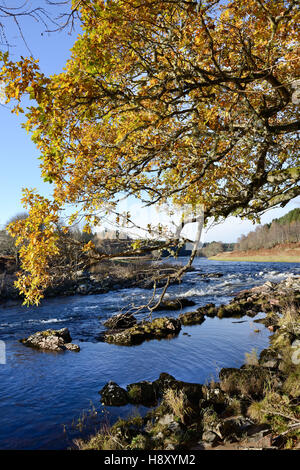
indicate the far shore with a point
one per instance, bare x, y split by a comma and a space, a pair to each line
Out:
287, 253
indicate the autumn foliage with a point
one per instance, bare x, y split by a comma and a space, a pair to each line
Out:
190, 101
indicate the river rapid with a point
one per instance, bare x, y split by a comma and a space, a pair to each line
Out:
49, 399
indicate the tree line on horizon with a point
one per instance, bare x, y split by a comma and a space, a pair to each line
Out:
286, 229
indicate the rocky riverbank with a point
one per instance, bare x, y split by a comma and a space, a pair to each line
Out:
254, 407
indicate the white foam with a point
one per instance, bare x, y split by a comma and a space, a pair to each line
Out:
51, 320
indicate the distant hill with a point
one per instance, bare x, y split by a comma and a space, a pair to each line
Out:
286, 229
277, 241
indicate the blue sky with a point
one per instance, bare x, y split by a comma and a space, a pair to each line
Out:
19, 157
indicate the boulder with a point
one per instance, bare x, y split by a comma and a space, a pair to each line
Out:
51, 340
236, 309
175, 304
113, 395
235, 426
198, 316
269, 359
269, 320
142, 393
157, 329
192, 391
210, 438
83, 289
120, 321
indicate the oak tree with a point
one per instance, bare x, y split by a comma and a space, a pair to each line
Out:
190, 101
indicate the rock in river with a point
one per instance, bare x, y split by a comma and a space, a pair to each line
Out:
158, 328
113, 395
51, 340
174, 304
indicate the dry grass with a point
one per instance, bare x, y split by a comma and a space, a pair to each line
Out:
176, 401
248, 382
290, 316
251, 359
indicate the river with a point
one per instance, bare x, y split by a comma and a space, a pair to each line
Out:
48, 399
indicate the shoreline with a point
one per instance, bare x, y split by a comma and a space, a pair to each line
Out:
284, 253
253, 260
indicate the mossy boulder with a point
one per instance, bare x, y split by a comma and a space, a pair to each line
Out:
157, 329
270, 320
142, 393
281, 339
192, 391
269, 358
236, 310
198, 316
174, 304
192, 318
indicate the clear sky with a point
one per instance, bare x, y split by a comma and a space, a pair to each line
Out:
18, 155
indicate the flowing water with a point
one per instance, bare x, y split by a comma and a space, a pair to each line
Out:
47, 399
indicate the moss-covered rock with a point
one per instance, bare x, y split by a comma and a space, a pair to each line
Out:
192, 391
142, 393
174, 304
236, 310
157, 329
197, 317
269, 358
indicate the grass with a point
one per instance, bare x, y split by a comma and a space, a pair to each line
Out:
246, 382
251, 358
114, 437
291, 316
176, 401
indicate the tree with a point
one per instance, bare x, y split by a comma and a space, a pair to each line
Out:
7, 243
193, 102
